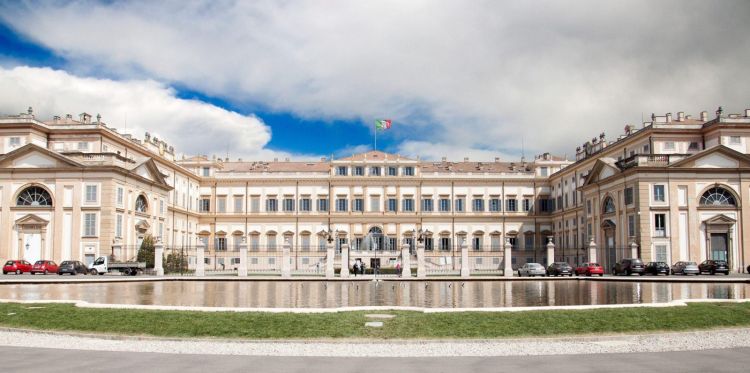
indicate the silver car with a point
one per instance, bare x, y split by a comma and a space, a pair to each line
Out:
532, 269
685, 268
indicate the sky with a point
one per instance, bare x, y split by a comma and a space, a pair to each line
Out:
305, 79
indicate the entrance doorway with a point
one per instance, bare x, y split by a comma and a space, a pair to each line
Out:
32, 248
375, 264
719, 247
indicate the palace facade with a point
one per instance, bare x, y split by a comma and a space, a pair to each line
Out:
675, 188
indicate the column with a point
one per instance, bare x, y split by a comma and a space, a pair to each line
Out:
421, 270
592, 251
330, 255
286, 268
159, 257
344, 261
550, 251
200, 262
508, 267
242, 269
633, 250
464, 259
405, 261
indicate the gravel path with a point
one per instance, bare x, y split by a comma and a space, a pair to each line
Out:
702, 340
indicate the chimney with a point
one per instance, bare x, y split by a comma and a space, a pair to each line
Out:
497, 159
669, 117
68, 117
704, 116
275, 159
56, 119
747, 113
239, 159
466, 159
445, 159
286, 159
680, 116
322, 159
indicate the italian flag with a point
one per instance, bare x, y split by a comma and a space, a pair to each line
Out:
383, 124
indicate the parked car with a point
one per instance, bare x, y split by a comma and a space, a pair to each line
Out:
532, 270
714, 266
685, 268
44, 266
629, 266
73, 267
657, 268
590, 269
559, 269
16, 266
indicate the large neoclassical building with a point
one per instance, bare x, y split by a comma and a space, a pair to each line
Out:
675, 188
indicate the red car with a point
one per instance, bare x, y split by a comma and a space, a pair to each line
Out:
590, 269
16, 266
44, 266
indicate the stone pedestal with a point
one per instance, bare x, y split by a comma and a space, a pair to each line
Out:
286, 258
117, 252
200, 261
633, 250
507, 259
592, 252
344, 261
550, 251
159, 258
405, 261
330, 256
242, 268
421, 268
465, 260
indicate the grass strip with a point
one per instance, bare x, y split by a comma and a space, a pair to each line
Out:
406, 325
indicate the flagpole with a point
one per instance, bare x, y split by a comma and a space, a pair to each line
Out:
376, 138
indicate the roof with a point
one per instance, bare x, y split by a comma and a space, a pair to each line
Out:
491, 167
374, 155
261, 166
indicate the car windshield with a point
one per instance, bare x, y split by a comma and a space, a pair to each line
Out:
66, 263
721, 262
535, 265
9, 263
637, 261
690, 264
594, 265
39, 262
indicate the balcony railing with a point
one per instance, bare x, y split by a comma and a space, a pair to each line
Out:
650, 160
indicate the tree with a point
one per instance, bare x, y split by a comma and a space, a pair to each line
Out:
146, 252
176, 262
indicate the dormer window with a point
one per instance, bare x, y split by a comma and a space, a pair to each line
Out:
359, 171
341, 171
409, 171
375, 171
206, 171
392, 171
15, 142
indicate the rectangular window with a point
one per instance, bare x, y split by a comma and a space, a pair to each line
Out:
669, 146
221, 205
89, 224
14, 142
588, 207
206, 171
375, 203
478, 205
693, 146
661, 253
205, 205
392, 171
409, 171
392, 205
374, 171
305, 204
528, 241
631, 225
91, 193
359, 205
445, 205
120, 196
734, 140
272, 205
408, 204
526, 204
342, 205
545, 205
239, 202
495, 204
629, 196
659, 193
83, 146
445, 243
255, 204
161, 207
427, 205
428, 244
459, 205
476, 243
359, 171
220, 244
544, 171
341, 171
322, 204
660, 225
288, 204
118, 226
511, 205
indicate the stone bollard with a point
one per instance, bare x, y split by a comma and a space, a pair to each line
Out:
550, 251
242, 268
405, 261
507, 259
421, 269
159, 257
344, 261
286, 258
633, 250
330, 256
465, 260
200, 261
592, 251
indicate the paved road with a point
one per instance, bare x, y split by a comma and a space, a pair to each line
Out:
21, 359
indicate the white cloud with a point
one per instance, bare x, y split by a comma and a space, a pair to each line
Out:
475, 75
136, 106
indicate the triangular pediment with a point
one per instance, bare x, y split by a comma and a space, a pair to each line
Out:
720, 219
603, 168
142, 225
35, 156
716, 157
149, 171
31, 219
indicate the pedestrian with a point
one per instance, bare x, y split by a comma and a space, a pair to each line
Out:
362, 268
356, 268
398, 269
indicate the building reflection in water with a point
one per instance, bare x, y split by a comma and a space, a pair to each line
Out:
307, 294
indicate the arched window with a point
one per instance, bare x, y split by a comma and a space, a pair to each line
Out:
141, 205
717, 196
609, 205
34, 196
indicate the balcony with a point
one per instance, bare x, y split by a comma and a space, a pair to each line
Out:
650, 160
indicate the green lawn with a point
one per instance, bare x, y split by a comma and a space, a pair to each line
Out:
351, 324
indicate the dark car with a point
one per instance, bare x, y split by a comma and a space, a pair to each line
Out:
44, 266
657, 268
629, 266
16, 266
714, 266
559, 269
73, 267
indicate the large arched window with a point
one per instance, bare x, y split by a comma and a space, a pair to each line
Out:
141, 205
717, 196
34, 196
609, 205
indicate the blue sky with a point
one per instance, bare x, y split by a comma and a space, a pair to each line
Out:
267, 79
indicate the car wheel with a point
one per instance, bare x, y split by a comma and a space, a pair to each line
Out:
519, 274
93, 272
713, 273
46, 272
59, 273
641, 274
18, 271
74, 273
32, 273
